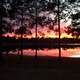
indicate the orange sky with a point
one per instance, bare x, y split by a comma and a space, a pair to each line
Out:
45, 32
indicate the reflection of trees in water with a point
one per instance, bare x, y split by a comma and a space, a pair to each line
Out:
21, 52
36, 53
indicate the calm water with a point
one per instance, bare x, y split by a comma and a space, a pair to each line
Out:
65, 52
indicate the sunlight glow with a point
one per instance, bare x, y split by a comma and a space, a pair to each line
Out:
76, 55
45, 32
9, 34
46, 35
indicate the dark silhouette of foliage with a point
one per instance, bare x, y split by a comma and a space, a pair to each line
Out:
75, 16
21, 30
71, 1
73, 31
24, 11
76, 24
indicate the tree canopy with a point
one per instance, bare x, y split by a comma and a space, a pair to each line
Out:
26, 12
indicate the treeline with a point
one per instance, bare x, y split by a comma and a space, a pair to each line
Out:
13, 43
40, 41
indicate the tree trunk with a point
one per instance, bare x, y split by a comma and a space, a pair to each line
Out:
36, 23
1, 17
59, 30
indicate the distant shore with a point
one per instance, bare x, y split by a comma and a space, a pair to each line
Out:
40, 43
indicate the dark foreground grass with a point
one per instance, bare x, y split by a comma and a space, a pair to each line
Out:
14, 67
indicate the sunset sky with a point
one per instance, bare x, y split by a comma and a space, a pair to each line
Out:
47, 30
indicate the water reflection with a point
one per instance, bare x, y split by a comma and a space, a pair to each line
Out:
65, 52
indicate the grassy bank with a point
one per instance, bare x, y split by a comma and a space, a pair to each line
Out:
14, 67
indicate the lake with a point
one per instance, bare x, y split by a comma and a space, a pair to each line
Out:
53, 52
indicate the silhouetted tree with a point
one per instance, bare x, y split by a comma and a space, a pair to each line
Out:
75, 32
1, 28
21, 31
74, 28
5, 18
1, 17
76, 24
